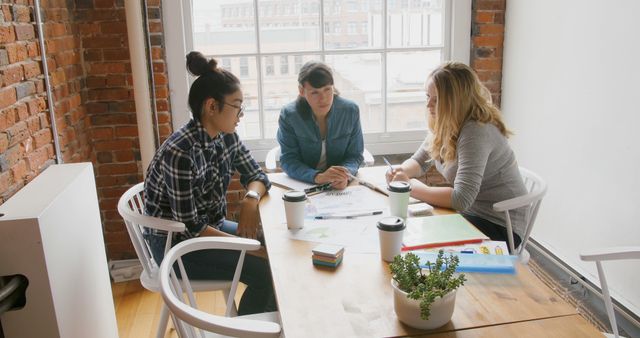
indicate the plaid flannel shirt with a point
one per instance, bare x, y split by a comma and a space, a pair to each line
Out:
187, 179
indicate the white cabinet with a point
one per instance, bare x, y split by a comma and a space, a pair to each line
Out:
51, 233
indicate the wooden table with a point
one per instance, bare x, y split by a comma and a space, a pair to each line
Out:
356, 298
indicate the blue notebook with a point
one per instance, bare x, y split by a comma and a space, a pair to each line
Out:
475, 262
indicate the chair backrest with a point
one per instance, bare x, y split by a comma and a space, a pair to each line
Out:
609, 254
179, 298
536, 189
131, 208
273, 156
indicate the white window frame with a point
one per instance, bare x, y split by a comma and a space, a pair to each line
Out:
457, 45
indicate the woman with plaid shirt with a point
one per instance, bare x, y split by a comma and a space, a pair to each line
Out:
187, 181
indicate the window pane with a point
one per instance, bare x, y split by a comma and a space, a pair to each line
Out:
414, 23
352, 24
358, 78
245, 69
435, 28
406, 75
289, 25
223, 26
278, 89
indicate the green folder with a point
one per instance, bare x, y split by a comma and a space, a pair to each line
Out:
436, 231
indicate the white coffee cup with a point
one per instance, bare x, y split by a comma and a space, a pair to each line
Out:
399, 198
294, 205
390, 230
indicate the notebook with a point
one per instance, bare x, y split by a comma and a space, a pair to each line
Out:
437, 231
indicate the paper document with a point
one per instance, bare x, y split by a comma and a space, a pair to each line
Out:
284, 181
352, 200
358, 235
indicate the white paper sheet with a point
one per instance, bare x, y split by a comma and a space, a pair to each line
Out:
352, 200
358, 235
283, 180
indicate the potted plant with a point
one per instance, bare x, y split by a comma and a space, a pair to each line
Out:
425, 300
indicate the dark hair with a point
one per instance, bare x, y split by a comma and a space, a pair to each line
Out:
212, 82
318, 75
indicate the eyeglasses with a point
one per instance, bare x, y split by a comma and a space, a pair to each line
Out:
240, 109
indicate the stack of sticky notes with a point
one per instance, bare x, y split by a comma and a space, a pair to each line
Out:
327, 255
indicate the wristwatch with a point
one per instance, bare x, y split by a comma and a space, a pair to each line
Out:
252, 194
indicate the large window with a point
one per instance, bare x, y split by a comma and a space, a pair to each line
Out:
380, 51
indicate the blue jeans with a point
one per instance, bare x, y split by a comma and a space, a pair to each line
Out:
221, 265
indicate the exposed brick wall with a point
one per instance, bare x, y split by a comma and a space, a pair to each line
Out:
26, 147
487, 36
110, 105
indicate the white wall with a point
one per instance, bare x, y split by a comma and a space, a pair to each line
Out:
571, 94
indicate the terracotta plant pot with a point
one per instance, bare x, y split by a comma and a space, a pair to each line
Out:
408, 310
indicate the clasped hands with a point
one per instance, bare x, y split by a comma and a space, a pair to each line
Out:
337, 175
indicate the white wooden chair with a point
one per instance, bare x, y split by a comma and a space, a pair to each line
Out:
131, 208
178, 295
609, 254
536, 188
273, 157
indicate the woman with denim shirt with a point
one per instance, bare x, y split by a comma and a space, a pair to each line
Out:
320, 134
187, 181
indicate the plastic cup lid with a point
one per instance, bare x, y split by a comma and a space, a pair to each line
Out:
399, 186
391, 224
294, 196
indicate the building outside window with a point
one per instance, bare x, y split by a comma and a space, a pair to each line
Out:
244, 67
269, 65
298, 62
284, 65
381, 65
226, 64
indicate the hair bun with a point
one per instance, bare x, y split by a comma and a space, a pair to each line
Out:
198, 65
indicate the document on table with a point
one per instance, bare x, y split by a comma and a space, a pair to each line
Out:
357, 235
351, 200
283, 180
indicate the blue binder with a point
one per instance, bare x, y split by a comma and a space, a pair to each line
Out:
503, 264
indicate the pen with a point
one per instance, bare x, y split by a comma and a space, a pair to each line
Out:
318, 188
370, 213
388, 163
369, 185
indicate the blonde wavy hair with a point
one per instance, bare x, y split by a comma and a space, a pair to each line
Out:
461, 97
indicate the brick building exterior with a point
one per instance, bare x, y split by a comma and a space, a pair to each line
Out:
88, 59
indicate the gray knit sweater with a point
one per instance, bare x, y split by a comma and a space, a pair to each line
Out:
485, 172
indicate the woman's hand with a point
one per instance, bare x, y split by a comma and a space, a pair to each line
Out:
389, 175
249, 219
400, 176
337, 175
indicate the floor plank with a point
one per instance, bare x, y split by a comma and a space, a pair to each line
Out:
138, 310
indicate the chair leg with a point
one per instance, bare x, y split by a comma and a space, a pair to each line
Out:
162, 324
234, 308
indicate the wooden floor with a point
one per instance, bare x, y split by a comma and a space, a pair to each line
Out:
138, 310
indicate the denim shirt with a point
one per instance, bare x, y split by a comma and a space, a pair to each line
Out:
301, 143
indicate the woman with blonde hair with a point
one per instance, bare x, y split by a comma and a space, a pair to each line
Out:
467, 143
